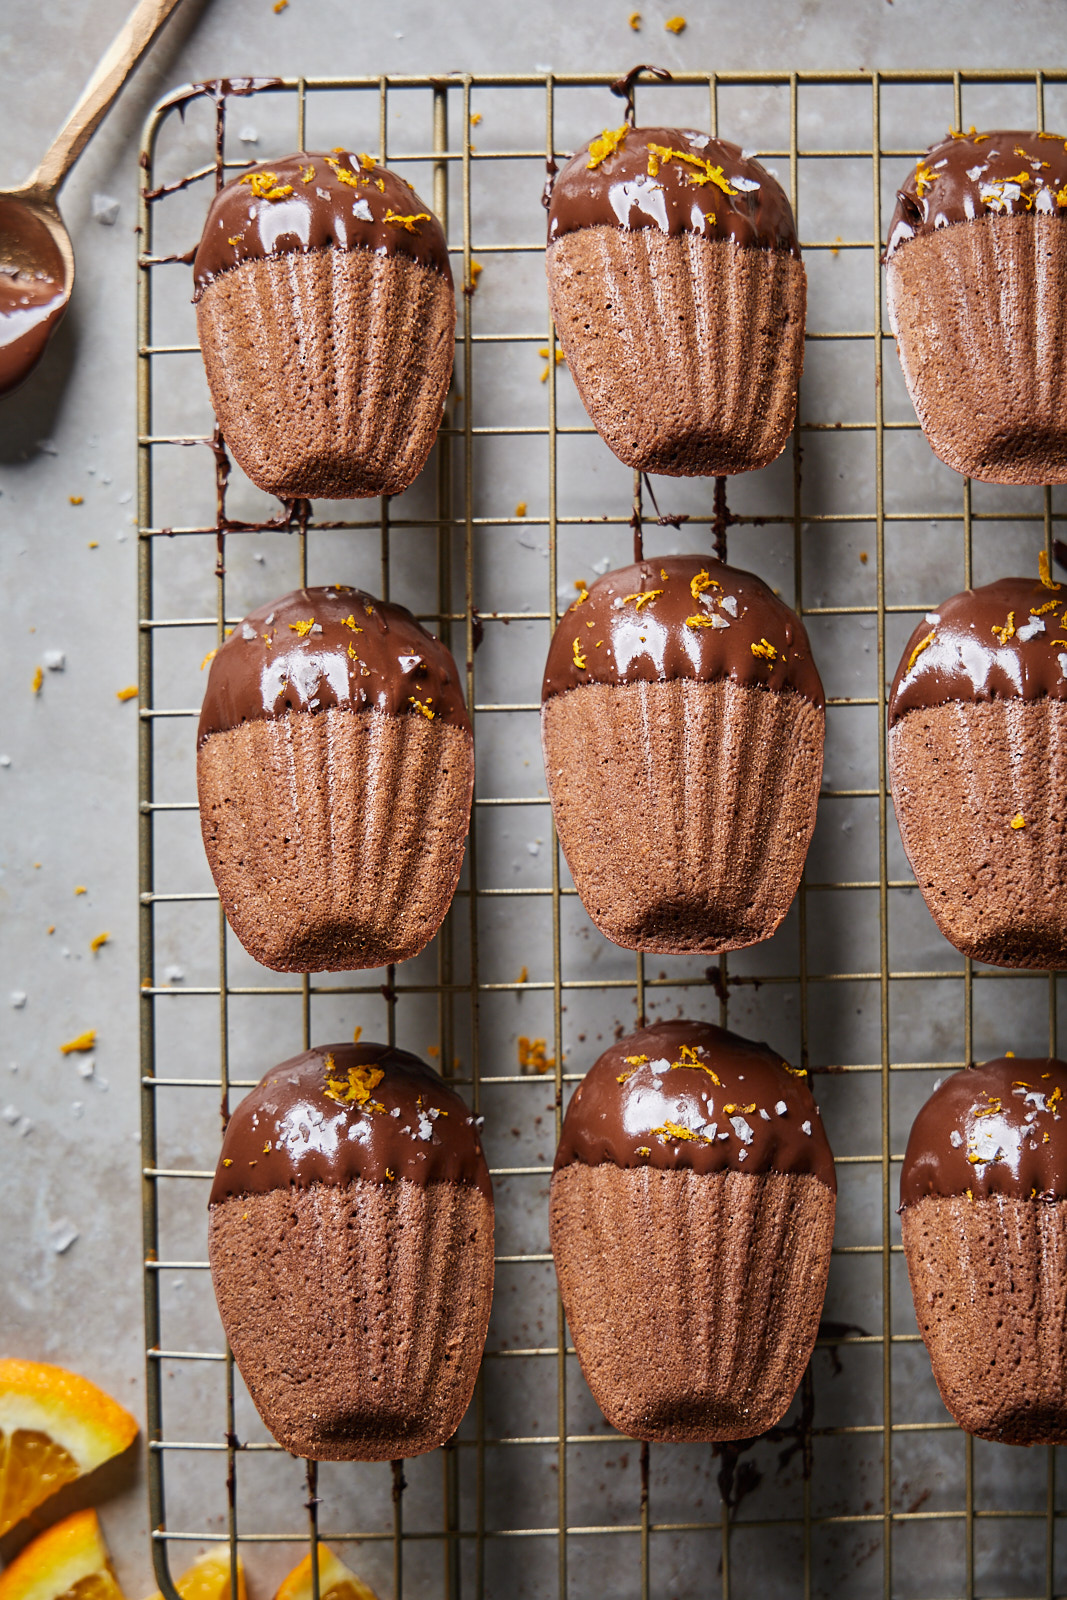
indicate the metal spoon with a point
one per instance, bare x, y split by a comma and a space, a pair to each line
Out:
36, 254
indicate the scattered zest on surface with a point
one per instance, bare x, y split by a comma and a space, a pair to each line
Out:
674, 1130
925, 178
579, 659
702, 582
643, 598
83, 1041
129, 693
532, 1055
1018, 821
99, 942
423, 706
1007, 631
675, 25
712, 621
659, 155
765, 651
1044, 570
303, 628
38, 680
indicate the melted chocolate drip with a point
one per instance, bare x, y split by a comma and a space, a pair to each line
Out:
701, 620
688, 1094
336, 646
366, 207
997, 1129
1006, 640
33, 294
348, 1111
1002, 173
636, 188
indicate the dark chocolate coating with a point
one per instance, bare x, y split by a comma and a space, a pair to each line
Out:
702, 621
323, 211
1006, 172
633, 187
725, 1105
965, 659
996, 1129
400, 1120
359, 653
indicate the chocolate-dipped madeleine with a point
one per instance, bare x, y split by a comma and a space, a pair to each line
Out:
978, 769
678, 294
692, 1213
976, 281
327, 316
983, 1196
682, 723
350, 1235
335, 768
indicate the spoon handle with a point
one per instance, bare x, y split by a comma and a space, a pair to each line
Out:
96, 99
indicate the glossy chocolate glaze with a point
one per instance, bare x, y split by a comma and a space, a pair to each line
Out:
334, 646
723, 194
1006, 640
688, 1094
348, 1111
304, 202
702, 620
33, 292
1006, 172
997, 1129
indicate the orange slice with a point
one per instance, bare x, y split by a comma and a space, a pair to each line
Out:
69, 1562
335, 1581
209, 1577
54, 1426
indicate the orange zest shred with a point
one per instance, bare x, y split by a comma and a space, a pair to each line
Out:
410, 223
80, 1043
606, 145
99, 942
701, 582
919, 648
702, 620
423, 706
635, 21
303, 628
972, 133
1007, 631
674, 1130
1061, 196
705, 172
583, 594
925, 178
38, 680
354, 1085
643, 1150
265, 186
744, 1111
1018, 821
765, 651
533, 1055
234, 242
209, 657
307, 174
675, 25
1045, 574
643, 598
579, 659
129, 693
350, 622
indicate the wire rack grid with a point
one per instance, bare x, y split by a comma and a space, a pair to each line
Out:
802, 1534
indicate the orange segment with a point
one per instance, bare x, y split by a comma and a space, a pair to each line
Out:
69, 1562
54, 1426
336, 1582
209, 1577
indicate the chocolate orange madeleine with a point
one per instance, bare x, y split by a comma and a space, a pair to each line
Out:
350, 1235
679, 296
327, 316
978, 769
983, 1196
335, 769
976, 280
692, 1213
682, 723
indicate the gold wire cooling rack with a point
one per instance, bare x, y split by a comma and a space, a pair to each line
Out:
869, 1489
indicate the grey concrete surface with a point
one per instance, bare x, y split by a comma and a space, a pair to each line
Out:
69, 1160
